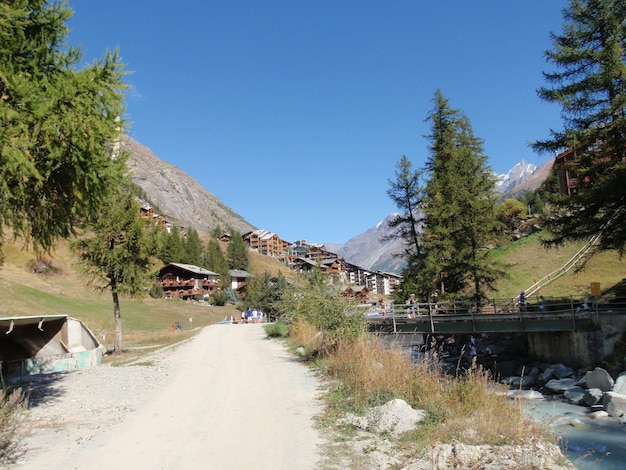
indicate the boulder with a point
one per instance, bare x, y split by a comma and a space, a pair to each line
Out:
517, 382
559, 385
620, 384
394, 417
599, 378
524, 394
555, 371
598, 415
464, 456
592, 396
614, 404
574, 395
562, 372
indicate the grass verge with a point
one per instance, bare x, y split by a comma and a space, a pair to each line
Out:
364, 373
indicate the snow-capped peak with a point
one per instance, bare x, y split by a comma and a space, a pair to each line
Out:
516, 175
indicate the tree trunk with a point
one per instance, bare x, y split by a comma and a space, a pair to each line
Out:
117, 348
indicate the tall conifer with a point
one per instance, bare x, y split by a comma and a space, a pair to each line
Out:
458, 206
589, 83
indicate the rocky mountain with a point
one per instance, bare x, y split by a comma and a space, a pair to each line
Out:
523, 177
366, 250
183, 200
178, 196
516, 176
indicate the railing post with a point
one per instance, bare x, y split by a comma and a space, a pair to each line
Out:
432, 323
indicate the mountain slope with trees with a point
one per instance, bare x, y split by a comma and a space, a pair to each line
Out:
177, 195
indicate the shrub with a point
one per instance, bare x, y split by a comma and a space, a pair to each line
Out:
11, 405
219, 298
156, 291
278, 329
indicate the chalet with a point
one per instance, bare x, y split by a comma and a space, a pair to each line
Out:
239, 281
146, 212
360, 293
565, 165
186, 281
267, 243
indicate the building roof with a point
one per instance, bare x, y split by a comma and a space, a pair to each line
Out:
189, 268
239, 273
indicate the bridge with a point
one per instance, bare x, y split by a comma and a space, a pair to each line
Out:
497, 317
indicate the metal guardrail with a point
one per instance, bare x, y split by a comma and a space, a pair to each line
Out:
495, 316
573, 261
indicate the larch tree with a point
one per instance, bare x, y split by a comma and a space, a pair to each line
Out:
59, 125
406, 193
588, 82
116, 254
459, 208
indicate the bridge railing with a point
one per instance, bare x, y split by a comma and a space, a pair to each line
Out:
551, 314
493, 306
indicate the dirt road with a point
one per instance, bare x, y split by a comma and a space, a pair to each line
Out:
228, 399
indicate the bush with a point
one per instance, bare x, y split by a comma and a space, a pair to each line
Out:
220, 298
279, 329
11, 405
156, 291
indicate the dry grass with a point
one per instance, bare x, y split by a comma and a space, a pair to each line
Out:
11, 405
529, 262
467, 408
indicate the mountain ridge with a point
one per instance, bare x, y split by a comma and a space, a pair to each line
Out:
184, 201
367, 250
181, 198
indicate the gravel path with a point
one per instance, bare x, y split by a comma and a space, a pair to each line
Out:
227, 399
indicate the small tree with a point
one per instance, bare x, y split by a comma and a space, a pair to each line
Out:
116, 254
510, 212
171, 247
318, 304
406, 193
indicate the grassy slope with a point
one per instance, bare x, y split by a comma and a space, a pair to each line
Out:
529, 262
26, 293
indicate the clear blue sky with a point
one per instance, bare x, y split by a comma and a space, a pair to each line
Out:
294, 113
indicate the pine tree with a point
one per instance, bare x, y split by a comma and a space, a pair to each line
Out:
58, 125
214, 260
237, 252
171, 247
192, 247
116, 254
589, 83
459, 208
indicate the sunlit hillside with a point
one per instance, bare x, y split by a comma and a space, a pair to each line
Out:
528, 262
65, 290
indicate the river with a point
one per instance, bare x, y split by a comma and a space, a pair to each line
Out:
598, 444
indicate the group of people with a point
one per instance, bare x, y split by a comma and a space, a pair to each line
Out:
253, 316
